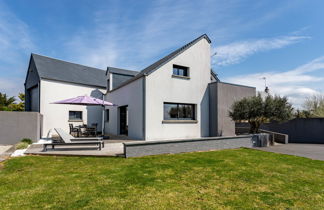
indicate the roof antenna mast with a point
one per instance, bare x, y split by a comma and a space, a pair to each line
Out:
266, 89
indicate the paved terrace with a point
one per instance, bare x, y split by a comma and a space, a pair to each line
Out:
112, 148
5, 151
312, 151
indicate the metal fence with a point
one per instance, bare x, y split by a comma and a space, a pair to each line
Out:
274, 136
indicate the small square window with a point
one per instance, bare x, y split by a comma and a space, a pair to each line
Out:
75, 115
180, 71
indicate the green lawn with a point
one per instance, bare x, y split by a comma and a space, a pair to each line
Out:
241, 178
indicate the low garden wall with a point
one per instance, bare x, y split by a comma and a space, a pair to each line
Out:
137, 149
15, 126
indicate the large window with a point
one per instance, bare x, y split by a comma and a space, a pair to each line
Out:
180, 71
75, 115
177, 111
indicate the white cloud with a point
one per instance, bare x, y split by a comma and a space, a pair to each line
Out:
297, 83
129, 43
15, 46
115, 39
14, 36
11, 86
236, 52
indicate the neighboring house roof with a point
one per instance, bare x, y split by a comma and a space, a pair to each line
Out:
148, 70
121, 71
54, 69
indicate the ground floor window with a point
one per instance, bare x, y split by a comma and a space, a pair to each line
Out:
178, 111
75, 115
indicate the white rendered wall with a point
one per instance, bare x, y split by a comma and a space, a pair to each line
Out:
162, 87
57, 115
132, 96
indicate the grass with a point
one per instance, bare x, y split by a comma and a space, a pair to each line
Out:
241, 178
21, 145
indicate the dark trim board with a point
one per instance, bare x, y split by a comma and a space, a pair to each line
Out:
227, 83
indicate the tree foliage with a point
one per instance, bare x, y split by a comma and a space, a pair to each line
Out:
8, 103
302, 114
257, 110
315, 106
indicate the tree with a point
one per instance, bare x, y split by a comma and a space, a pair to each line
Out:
302, 114
8, 104
5, 101
315, 105
256, 110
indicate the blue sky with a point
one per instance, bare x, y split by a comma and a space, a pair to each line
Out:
280, 40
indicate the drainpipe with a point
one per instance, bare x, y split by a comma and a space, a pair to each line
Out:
103, 117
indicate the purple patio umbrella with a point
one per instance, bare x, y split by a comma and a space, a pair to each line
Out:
88, 101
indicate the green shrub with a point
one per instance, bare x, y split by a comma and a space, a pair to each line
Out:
28, 141
22, 145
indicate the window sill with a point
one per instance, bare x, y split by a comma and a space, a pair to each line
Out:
180, 77
179, 121
75, 120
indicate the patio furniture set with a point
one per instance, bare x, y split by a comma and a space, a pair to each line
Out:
83, 130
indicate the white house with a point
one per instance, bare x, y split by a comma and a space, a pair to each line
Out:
177, 97
49, 80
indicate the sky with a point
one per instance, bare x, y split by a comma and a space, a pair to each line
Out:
281, 40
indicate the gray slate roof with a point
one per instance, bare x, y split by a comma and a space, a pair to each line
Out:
54, 69
151, 68
121, 71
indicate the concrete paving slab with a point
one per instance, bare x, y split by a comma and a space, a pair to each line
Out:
112, 148
5, 151
312, 151
4, 148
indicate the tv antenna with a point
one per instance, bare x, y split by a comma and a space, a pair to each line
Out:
266, 89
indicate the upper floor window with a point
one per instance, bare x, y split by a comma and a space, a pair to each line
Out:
180, 71
75, 115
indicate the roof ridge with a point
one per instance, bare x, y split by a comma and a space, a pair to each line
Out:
121, 71
59, 70
66, 61
119, 68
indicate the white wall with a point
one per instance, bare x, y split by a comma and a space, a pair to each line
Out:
57, 115
131, 95
162, 87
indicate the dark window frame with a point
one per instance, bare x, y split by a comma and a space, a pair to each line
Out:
193, 112
75, 118
180, 71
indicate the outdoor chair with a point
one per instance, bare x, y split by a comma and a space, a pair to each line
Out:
93, 129
67, 139
73, 130
84, 130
